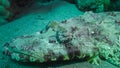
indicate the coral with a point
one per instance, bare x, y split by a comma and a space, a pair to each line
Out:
5, 3
93, 37
93, 5
114, 5
4, 12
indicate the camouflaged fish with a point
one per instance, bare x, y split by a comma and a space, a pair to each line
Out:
91, 36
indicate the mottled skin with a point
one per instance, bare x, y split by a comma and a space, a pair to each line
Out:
85, 37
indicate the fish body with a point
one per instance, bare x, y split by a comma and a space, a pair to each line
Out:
84, 37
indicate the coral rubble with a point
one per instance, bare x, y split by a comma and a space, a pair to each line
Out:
93, 37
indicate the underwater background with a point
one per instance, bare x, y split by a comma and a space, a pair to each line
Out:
26, 17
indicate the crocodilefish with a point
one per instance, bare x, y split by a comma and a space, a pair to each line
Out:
75, 38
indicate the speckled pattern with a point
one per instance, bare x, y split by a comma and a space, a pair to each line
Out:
85, 37
35, 20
